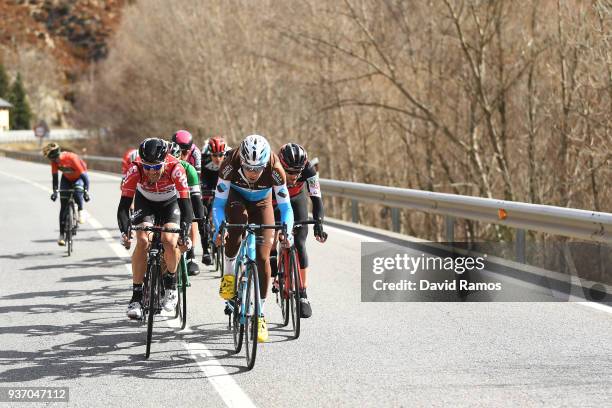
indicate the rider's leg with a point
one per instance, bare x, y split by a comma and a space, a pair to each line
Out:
299, 204
65, 184
262, 212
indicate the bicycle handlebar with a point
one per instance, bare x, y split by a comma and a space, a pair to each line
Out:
152, 228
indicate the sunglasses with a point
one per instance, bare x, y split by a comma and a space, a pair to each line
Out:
293, 172
252, 169
218, 154
152, 166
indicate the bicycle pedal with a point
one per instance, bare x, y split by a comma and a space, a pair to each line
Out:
228, 310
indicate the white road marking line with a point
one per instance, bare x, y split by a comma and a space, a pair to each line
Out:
229, 391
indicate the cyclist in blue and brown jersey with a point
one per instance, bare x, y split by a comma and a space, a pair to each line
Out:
247, 178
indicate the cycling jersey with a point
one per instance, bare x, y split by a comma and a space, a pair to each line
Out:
210, 171
310, 178
128, 158
71, 166
173, 181
193, 181
272, 178
193, 157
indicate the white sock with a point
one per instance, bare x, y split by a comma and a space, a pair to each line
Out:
263, 303
229, 266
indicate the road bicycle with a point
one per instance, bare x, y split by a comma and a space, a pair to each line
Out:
153, 287
71, 218
245, 308
288, 282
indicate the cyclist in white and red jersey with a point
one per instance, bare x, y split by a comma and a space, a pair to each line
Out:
129, 156
158, 185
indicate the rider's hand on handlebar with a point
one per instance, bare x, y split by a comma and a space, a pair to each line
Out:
54, 195
220, 239
286, 241
86, 196
319, 234
184, 244
126, 241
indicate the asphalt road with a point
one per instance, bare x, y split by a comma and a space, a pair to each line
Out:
62, 323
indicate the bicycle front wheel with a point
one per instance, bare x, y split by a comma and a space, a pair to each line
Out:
252, 315
68, 229
283, 287
183, 296
239, 299
153, 289
294, 292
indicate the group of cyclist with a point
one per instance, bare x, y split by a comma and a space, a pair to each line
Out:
176, 185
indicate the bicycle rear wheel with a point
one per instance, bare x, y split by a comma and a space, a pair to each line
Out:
252, 314
153, 289
294, 292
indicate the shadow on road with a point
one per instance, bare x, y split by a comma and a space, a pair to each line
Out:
103, 342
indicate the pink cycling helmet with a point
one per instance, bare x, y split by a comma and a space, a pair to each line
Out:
183, 138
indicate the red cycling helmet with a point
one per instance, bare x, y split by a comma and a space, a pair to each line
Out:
217, 145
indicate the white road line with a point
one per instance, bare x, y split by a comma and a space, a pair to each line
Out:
229, 391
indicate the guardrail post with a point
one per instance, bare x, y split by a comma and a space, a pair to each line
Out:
520, 245
395, 219
355, 211
450, 228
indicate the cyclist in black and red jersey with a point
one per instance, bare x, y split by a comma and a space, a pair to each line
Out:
213, 152
300, 172
158, 185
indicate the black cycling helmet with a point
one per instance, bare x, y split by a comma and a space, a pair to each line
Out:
293, 157
153, 150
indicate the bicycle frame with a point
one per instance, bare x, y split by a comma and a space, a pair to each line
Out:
246, 255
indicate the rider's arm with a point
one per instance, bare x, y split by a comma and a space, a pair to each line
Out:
85, 178
197, 159
186, 210
218, 209
123, 213
284, 205
54, 175
55, 181
314, 191
179, 176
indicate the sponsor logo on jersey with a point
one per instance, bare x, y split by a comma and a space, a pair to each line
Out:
220, 188
314, 186
66, 169
226, 171
277, 177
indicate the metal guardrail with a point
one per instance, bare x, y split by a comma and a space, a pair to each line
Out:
582, 224
15, 136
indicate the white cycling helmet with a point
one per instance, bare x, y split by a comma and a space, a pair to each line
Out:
255, 151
